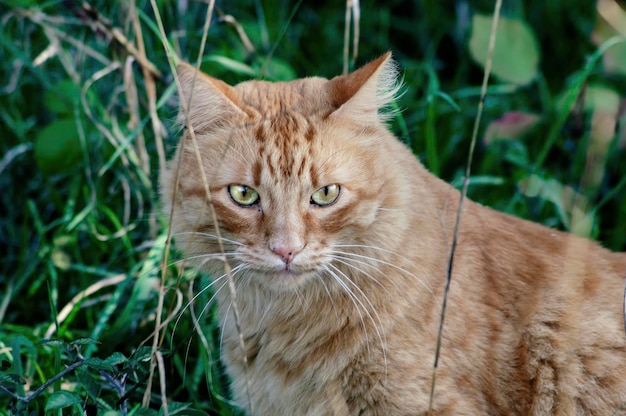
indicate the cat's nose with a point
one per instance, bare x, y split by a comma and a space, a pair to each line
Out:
286, 252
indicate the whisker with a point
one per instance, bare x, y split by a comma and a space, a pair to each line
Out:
208, 304
365, 246
235, 270
222, 332
205, 234
206, 257
332, 301
386, 263
193, 299
352, 297
344, 260
377, 327
230, 304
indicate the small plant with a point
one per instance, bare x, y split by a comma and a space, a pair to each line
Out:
70, 380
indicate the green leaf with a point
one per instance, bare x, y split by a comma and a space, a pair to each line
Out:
116, 358
517, 154
599, 97
143, 411
98, 364
84, 341
60, 99
143, 290
22, 3
12, 379
88, 382
231, 65
51, 341
489, 180
276, 70
611, 22
177, 408
570, 204
57, 147
61, 399
142, 354
516, 54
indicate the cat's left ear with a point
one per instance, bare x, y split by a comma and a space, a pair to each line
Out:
362, 94
212, 100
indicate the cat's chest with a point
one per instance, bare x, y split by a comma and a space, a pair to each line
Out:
310, 341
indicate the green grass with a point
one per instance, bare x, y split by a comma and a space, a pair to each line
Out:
85, 129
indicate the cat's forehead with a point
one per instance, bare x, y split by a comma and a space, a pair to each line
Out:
306, 96
286, 147
289, 134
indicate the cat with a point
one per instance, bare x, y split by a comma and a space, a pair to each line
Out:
337, 241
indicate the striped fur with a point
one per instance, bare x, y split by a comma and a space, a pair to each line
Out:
339, 304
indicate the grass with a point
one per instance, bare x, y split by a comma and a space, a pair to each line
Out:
87, 106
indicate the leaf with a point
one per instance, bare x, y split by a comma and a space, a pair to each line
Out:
22, 3
51, 341
143, 411
98, 364
489, 180
116, 358
571, 206
60, 99
60, 259
231, 65
276, 70
57, 147
512, 125
516, 54
61, 399
177, 408
517, 154
601, 98
13, 379
142, 354
84, 341
144, 289
610, 22
88, 382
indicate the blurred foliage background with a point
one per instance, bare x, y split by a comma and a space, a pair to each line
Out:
89, 320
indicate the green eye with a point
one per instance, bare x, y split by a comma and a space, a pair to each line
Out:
243, 195
325, 195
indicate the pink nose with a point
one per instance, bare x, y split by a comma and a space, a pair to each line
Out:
285, 252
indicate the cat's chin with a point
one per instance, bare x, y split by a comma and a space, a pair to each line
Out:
286, 279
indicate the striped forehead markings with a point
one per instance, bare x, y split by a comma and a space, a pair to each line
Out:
278, 137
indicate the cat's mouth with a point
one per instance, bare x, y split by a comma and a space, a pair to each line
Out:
290, 275
290, 272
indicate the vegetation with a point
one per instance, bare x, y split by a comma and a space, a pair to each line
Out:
90, 321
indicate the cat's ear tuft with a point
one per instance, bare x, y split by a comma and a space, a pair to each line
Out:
365, 93
212, 100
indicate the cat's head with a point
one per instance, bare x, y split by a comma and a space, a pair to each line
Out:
281, 177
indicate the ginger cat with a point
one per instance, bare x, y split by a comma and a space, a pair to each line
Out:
337, 240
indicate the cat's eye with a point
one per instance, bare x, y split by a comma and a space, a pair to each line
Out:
326, 195
243, 195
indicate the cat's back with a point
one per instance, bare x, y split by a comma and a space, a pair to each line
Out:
545, 312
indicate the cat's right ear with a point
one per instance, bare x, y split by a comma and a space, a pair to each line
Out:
206, 99
364, 93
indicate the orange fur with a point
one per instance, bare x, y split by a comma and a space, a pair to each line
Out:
339, 305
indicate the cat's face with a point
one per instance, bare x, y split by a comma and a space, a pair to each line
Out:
292, 179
